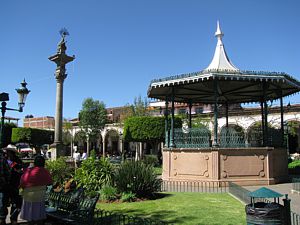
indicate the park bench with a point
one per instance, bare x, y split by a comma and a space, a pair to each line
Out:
70, 208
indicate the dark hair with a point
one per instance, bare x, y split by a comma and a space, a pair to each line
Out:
39, 161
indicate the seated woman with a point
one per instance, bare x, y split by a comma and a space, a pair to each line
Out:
34, 182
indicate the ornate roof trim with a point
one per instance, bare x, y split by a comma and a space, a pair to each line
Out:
247, 74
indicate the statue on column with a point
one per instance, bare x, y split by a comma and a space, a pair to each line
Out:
61, 59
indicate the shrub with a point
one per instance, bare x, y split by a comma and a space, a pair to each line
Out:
36, 137
151, 160
138, 178
128, 197
94, 174
294, 164
108, 193
59, 170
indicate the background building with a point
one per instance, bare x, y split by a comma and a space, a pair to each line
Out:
45, 122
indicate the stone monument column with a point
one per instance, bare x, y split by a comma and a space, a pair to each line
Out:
61, 59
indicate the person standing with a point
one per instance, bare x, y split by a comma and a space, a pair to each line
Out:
16, 168
34, 182
4, 187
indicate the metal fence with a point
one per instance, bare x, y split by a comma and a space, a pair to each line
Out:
239, 192
295, 218
111, 218
195, 186
296, 185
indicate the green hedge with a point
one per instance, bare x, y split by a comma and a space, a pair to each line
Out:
147, 128
35, 137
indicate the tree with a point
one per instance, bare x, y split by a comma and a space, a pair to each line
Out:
138, 108
92, 118
126, 112
147, 129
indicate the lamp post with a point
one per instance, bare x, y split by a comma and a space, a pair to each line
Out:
4, 97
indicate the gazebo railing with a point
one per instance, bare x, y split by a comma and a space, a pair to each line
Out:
228, 138
192, 138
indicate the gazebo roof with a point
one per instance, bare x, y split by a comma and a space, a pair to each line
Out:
233, 85
220, 60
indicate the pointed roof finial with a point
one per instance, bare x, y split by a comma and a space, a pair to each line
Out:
220, 60
219, 33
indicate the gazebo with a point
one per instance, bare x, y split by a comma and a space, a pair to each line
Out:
194, 153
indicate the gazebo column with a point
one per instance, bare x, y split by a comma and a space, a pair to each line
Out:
281, 121
167, 142
190, 114
226, 114
262, 121
266, 123
172, 144
266, 135
215, 141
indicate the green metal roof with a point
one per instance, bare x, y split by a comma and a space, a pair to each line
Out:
265, 193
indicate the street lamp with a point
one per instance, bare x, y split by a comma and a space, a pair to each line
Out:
4, 97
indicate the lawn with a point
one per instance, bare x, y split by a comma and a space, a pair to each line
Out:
185, 208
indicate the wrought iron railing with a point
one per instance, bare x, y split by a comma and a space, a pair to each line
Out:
239, 72
110, 218
192, 138
229, 137
194, 186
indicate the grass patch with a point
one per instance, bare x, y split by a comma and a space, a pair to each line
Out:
185, 208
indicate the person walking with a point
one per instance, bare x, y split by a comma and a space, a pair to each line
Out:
4, 187
34, 182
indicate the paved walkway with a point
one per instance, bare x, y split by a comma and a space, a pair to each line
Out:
285, 188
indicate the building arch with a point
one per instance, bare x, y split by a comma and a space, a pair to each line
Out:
112, 142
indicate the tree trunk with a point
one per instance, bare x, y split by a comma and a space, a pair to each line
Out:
156, 150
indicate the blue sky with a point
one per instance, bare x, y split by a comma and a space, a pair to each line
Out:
120, 46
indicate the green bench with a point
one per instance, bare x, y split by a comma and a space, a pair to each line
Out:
70, 208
